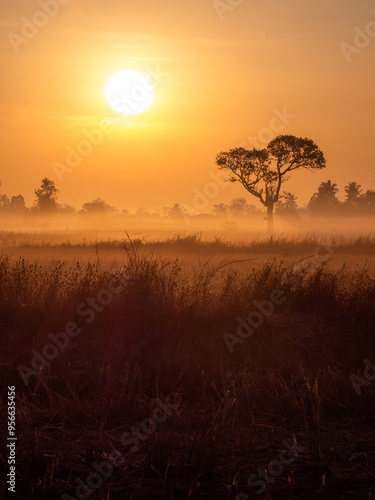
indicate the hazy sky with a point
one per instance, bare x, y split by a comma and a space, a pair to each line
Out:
221, 72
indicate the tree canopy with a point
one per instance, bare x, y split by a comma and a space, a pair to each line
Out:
263, 171
46, 196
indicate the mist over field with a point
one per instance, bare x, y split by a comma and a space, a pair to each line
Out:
76, 228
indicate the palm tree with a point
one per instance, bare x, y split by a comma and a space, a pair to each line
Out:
328, 190
288, 204
290, 200
325, 199
352, 192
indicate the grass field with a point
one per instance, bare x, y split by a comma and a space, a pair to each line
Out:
190, 368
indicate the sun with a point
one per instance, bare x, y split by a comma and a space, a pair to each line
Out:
130, 92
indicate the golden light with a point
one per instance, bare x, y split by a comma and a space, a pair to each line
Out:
130, 92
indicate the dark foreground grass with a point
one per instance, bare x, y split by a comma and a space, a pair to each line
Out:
151, 334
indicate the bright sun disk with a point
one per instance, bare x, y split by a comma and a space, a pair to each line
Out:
130, 92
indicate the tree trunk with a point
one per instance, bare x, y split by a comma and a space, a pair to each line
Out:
270, 228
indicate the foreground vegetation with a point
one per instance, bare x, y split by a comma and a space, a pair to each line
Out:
162, 331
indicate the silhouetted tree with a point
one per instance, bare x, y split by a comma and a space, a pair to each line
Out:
287, 205
251, 209
367, 202
263, 171
238, 207
353, 193
17, 203
4, 202
221, 210
325, 200
177, 212
97, 206
46, 196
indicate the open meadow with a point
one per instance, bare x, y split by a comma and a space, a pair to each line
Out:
189, 367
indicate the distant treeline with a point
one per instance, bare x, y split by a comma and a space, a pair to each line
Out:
323, 202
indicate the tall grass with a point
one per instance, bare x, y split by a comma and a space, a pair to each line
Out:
162, 336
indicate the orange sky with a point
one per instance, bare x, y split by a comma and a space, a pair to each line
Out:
221, 77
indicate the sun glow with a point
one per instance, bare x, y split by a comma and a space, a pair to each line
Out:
130, 92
